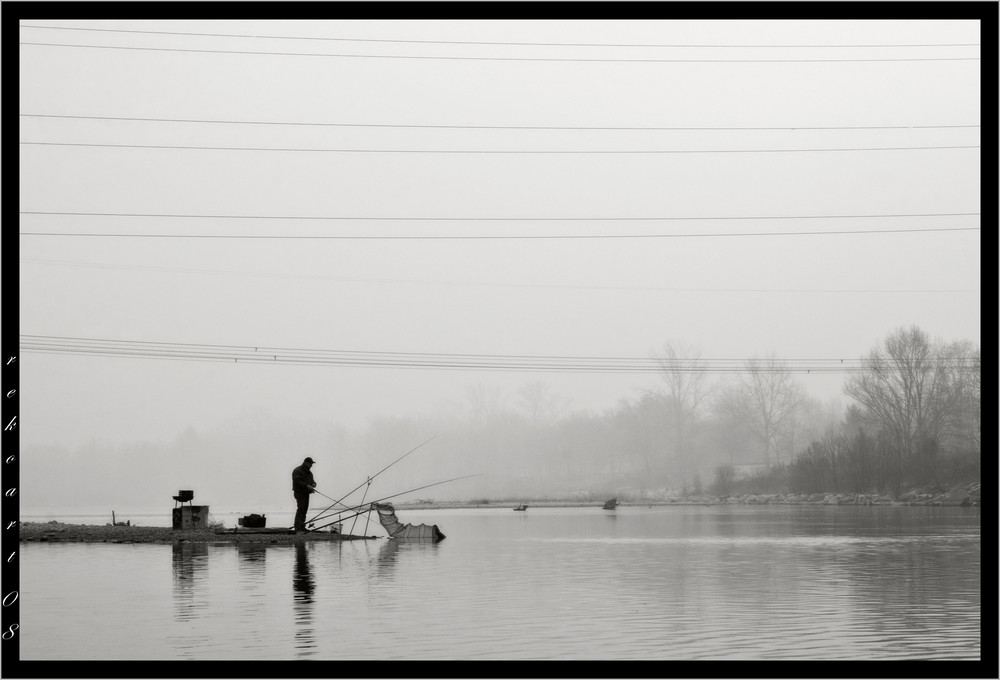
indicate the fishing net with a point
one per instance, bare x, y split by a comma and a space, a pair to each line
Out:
396, 529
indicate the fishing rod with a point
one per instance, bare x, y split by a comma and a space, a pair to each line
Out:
362, 510
369, 480
340, 520
336, 513
379, 500
367, 488
453, 479
339, 513
320, 514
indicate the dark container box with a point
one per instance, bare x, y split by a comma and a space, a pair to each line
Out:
253, 521
188, 517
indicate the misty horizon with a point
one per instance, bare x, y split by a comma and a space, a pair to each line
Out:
501, 223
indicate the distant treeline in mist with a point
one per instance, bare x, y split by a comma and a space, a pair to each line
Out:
912, 417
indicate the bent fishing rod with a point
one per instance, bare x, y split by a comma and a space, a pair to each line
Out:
368, 481
362, 509
337, 513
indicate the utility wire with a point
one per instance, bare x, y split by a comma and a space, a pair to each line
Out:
499, 127
476, 42
496, 151
351, 279
507, 59
487, 237
267, 349
504, 219
256, 355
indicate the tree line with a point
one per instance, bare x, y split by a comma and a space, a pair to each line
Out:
912, 418
916, 420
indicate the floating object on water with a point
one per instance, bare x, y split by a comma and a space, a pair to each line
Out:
521, 508
396, 529
611, 504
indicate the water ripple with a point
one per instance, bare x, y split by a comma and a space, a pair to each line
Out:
566, 585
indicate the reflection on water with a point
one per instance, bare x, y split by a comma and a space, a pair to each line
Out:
302, 579
303, 586
676, 583
252, 558
188, 560
395, 551
386, 562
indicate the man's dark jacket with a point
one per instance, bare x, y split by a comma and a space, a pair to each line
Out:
302, 480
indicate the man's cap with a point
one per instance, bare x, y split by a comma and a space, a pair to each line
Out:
308, 460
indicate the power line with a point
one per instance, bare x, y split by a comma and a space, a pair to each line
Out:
495, 151
355, 279
507, 59
504, 219
268, 348
500, 127
481, 42
454, 365
437, 361
499, 237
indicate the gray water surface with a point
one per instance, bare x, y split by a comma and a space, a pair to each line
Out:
722, 582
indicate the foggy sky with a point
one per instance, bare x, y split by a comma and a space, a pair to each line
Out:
819, 296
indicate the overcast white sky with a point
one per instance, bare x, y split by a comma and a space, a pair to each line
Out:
647, 126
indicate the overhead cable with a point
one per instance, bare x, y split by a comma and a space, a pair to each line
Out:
416, 360
501, 59
496, 151
356, 279
481, 42
503, 219
503, 127
485, 237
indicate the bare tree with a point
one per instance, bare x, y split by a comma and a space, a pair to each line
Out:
909, 389
767, 400
485, 401
539, 402
730, 432
965, 426
685, 377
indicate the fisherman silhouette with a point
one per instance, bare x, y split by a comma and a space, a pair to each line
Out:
303, 484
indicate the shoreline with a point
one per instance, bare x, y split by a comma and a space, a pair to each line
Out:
61, 532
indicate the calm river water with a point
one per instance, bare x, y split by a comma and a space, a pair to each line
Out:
679, 582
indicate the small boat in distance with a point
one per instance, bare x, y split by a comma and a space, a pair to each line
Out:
521, 508
611, 504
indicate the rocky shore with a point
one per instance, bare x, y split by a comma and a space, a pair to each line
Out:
965, 496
